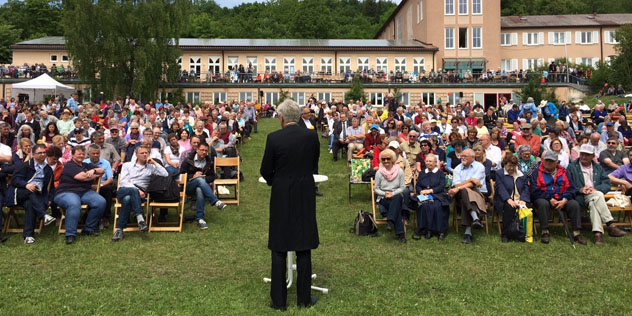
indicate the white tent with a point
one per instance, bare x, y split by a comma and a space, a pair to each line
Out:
39, 87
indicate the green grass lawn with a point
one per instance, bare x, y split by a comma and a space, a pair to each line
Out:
220, 271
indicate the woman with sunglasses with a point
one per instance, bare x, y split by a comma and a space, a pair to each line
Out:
432, 215
389, 187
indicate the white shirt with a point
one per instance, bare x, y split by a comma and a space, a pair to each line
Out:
308, 124
494, 154
5, 150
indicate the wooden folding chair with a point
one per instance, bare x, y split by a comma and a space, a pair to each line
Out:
84, 208
380, 221
626, 212
117, 208
155, 225
12, 216
227, 162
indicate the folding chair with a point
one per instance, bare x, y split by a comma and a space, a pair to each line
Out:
625, 211
84, 208
155, 225
227, 162
380, 221
358, 167
117, 208
12, 216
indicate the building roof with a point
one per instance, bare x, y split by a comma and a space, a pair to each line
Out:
261, 44
570, 20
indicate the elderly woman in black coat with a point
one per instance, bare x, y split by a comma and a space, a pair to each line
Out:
432, 215
512, 191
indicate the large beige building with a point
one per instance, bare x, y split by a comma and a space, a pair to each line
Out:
471, 34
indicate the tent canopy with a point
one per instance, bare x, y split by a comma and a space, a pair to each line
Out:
39, 87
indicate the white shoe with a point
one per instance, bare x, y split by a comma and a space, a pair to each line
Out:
202, 224
48, 219
331, 151
29, 240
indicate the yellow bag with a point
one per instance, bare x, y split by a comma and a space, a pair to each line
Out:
526, 217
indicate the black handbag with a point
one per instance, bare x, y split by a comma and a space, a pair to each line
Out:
515, 229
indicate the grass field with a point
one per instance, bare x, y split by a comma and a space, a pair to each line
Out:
219, 271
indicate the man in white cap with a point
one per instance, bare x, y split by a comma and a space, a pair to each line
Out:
592, 183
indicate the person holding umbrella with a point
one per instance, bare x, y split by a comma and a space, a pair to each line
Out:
552, 190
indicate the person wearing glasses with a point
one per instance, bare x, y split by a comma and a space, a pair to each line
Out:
32, 188
527, 138
389, 188
411, 149
612, 158
420, 159
468, 189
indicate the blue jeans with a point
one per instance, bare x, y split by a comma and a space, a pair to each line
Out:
202, 190
129, 199
71, 202
331, 141
171, 169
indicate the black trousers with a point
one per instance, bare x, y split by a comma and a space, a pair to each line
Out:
106, 193
508, 215
35, 209
278, 288
543, 210
337, 146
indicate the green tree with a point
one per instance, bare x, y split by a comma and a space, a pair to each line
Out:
356, 92
622, 63
125, 47
8, 36
537, 91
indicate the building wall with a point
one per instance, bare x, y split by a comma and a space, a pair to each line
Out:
546, 51
20, 57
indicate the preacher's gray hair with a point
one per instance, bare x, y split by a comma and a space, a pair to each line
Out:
289, 110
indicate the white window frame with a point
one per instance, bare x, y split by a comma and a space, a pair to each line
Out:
400, 64
419, 64
54, 58
609, 37
326, 64
214, 64
324, 96
363, 63
270, 63
289, 65
480, 7
532, 38
195, 63
474, 37
233, 62
252, 60
65, 58
219, 97
299, 97
463, 4
245, 96
509, 65
381, 64
455, 98
376, 98
449, 38
404, 96
467, 38
532, 63
586, 37
505, 39
420, 11
448, 7
559, 38
400, 28
428, 98
308, 64
344, 64
272, 98
193, 97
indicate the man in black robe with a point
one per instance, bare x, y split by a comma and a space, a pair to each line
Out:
289, 162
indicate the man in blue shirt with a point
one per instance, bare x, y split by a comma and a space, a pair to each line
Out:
107, 180
467, 190
72, 103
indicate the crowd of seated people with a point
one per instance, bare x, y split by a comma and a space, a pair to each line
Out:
529, 155
54, 154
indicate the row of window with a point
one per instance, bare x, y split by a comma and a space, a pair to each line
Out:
463, 37
55, 58
556, 38
376, 98
463, 7
289, 64
532, 63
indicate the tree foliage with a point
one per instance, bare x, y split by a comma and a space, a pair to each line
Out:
548, 7
125, 47
356, 92
537, 91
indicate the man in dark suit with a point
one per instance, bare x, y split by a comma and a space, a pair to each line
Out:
307, 120
289, 161
340, 134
